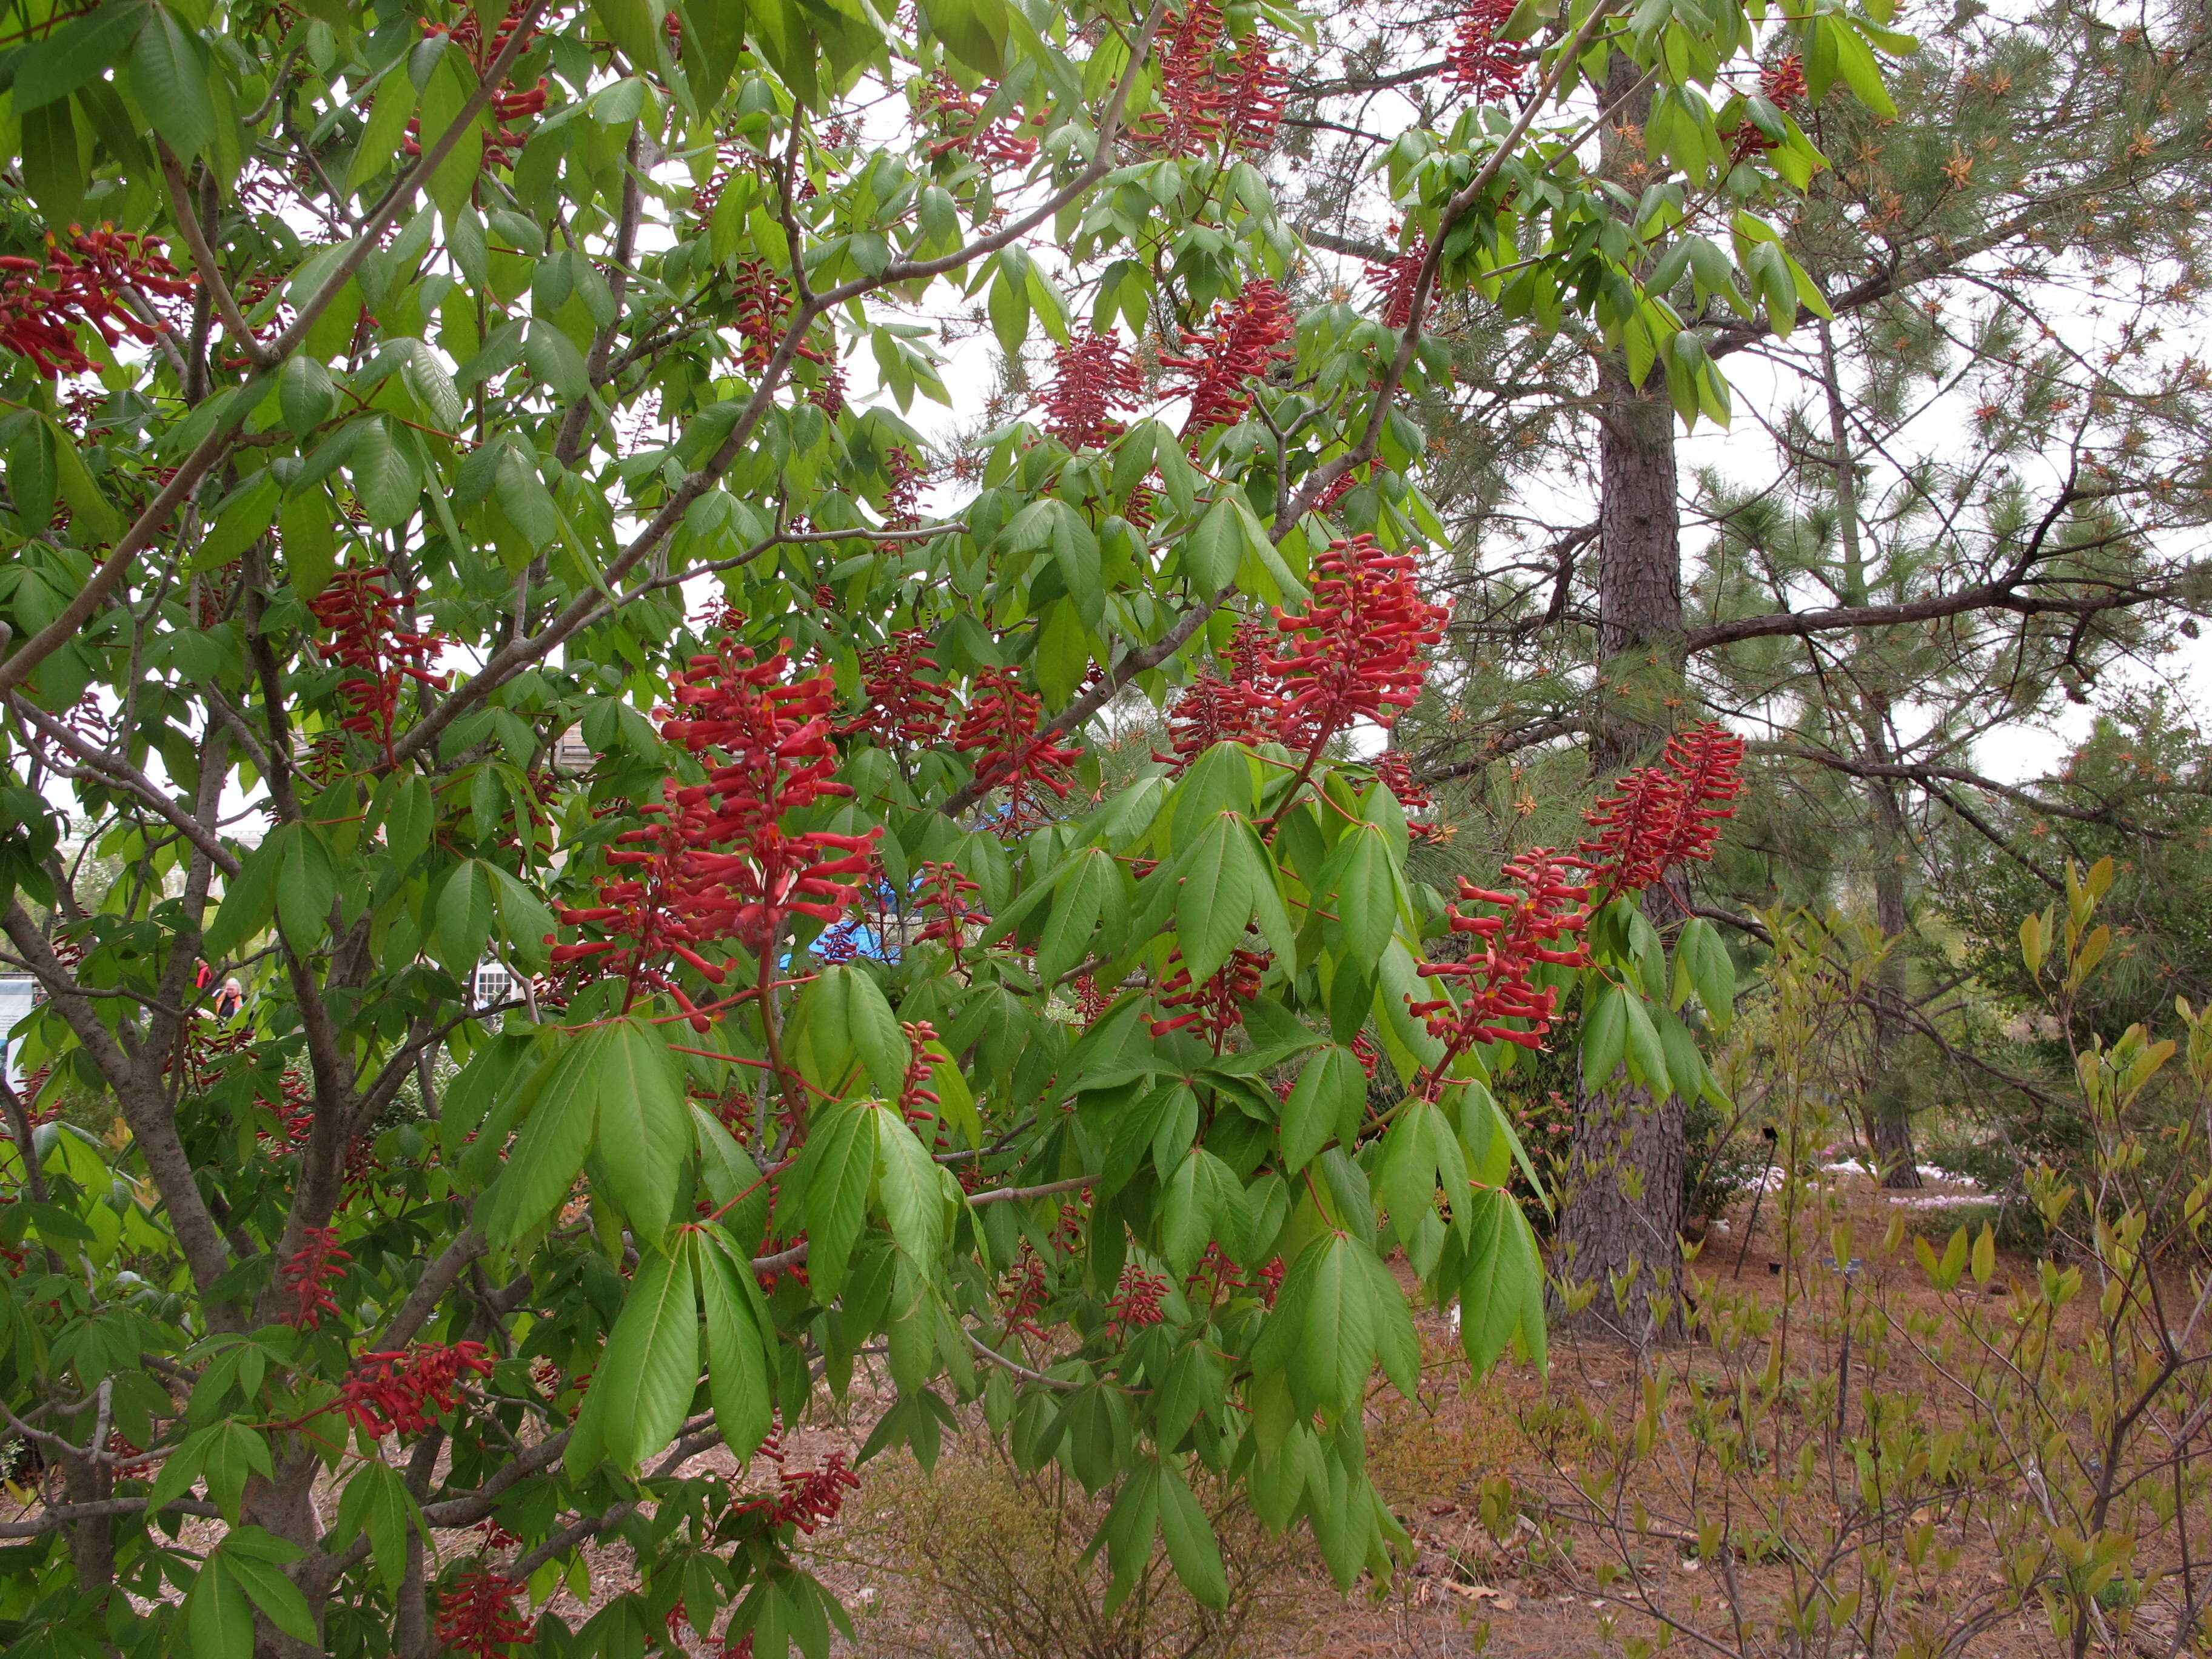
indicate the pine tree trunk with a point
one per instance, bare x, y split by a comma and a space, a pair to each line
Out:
1620, 1223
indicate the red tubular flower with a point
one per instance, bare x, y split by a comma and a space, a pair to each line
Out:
1254, 87
1530, 925
1214, 1006
1092, 377
810, 1496
1782, 86
477, 1615
904, 709
716, 862
83, 283
1136, 1301
1001, 725
1246, 339
945, 892
403, 1393
1397, 282
918, 1102
1213, 710
1192, 96
1666, 814
363, 618
1358, 651
308, 1275
1486, 66
1396, 774
999, 141
1025, 1294
908, 475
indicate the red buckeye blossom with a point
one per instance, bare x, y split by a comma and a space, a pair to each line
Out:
763, 301
1191, 95
507, 108
1213, 710
477, 1615
999, 142
1358, 651
903, 493
904, 707
1247, 340
810, 1497
1254, 86
308, 1274
1214, 1006
1394, 772
1782, 86
1537, 922
917, 1100
1001, 724
943, 897
1486, 66
714, 862
363, 617
1664, 815
1092, 377
403, 1393
1025, 1295
1136, 1301
84, 284
1397, 282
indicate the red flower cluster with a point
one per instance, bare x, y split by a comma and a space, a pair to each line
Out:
1486, 66
763, 301
1358, 651
1398, 282
716, 862
1136, 1301
477, 1615
363, 618
903, 493
1246, 339
82, 285
1395, 773
1666, 814
1213, 710
1001, 725
308, 1275
1782, 86
1025, 1295
1532, 925
1199, 103
918, 1102
1214, 1006
999, 141
404, 1392
507, 108
810, 1496
1092, 377
904, 709
945, 891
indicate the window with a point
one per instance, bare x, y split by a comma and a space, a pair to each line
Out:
493, 984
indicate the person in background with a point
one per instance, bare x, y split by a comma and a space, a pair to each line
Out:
231, 1000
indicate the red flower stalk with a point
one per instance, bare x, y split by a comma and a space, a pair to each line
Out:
1191, 95
1782, 86
403, 1393
763, 300
1025, 1295
1254, 87
1395, 773
1213, 710
477, 1615
308, 1275
810, 1496
904, 709
1664, 815
1214, 1006
1136, 1301
715, 863
1216, 1273
828, 391
999, 142
1356, 653
1532, 925
507, 108
1092, 377
1486, 66
363, 617
944, 891
1001, 724
1246, 339
1398, 282
903, 493
85, 284
918, 1102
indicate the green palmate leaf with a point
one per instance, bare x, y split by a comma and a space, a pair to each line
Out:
1359, 887
1219, 876
1329, 1102
1192, 1549
169, 74
465, 914
277, 1596
736, 1358
78, 52
1501, 1299
1647, 1055
376, 1501
643, 1389
644, 1133
917, 1192
217, 1614
830, 1189
556, 1136
1203, 1201
306, 886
